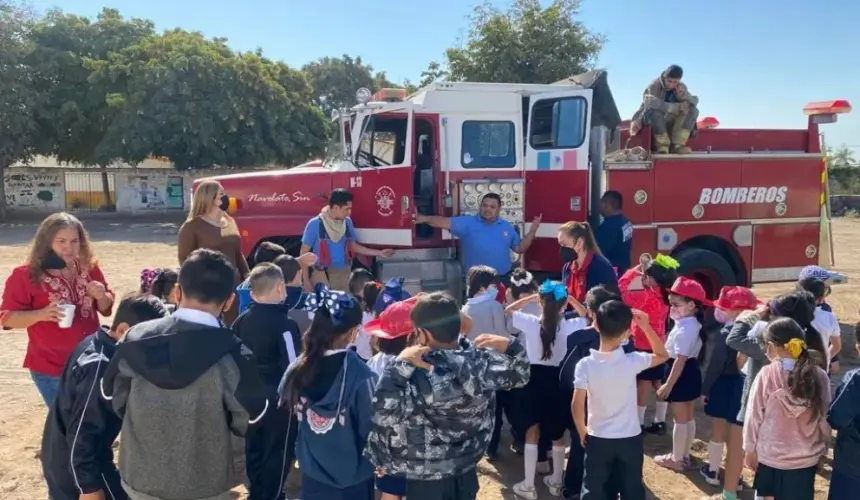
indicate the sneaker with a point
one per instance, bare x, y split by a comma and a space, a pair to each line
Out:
554, 488
517, 449
523, 491
666, 461
711, 477
543, 468
658, 428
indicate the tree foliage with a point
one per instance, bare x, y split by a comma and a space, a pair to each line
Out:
18, 99
336, 79
195, 101
525, 43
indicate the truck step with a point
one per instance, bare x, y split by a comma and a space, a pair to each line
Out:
424, 270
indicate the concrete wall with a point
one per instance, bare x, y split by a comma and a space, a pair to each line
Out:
53, 188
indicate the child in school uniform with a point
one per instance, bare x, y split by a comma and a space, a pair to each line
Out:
330, 389
825, 322
682, 381
266, 252
523, 284
785, 429
579, 346
543, 406
488, 315
441, 390
605, 380
294, 305
357, 282
275, 341
161, 283
77, 458
390, 331
723, 386
646, 288
843, 418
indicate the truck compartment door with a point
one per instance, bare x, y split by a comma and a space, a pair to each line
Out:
556, 169
382, 208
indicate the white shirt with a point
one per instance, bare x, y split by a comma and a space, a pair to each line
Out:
529, 325
610, 381
362, 340
827, 325
684, 338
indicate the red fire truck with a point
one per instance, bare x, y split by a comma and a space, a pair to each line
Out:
746, 207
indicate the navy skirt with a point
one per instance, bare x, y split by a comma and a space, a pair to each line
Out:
724, 398
689, 384
316, 490
392, 485
653, 374
543, 403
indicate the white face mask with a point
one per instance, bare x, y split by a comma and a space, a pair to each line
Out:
722, 317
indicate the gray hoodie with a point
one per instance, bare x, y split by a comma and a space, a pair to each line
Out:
488, 316
182, 388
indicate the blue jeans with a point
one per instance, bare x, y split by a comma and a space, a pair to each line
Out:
47, 385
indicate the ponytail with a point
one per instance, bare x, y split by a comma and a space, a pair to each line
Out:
804, 379
332, 320
581, 230
553, 296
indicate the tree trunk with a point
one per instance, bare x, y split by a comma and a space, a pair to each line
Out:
2, 193
108, 203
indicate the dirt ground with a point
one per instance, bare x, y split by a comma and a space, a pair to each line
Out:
126, 246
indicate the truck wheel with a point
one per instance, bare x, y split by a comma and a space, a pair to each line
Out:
709, 268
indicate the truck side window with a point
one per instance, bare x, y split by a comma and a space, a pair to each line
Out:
488, 144
383, 142
558, 123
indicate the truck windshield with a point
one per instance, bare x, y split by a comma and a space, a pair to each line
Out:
383, 141
334, 152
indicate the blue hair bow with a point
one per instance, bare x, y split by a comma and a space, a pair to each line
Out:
335, 301
554, 288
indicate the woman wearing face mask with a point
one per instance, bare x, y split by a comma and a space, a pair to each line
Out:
584, 266
651, 296
208, 226
61, 276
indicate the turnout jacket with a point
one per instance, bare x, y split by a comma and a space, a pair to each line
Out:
430, 425
81, 427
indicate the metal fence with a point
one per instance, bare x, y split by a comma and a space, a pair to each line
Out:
90, 192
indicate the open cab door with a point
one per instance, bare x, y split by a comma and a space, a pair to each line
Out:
383, 185
556, 168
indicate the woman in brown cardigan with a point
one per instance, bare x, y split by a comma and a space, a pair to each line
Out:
208, 226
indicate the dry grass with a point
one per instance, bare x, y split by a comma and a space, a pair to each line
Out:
124, 247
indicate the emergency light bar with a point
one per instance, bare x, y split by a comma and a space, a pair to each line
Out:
827, 108
708, 122
389, 95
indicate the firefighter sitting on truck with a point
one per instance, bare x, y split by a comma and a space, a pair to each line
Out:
668, 108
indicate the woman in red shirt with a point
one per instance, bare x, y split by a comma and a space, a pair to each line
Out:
60, 271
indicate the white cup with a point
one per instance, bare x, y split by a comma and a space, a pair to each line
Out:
68, 315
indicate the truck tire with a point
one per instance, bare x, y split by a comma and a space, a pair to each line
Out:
709, 268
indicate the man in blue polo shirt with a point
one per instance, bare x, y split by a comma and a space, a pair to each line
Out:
485, 239
615, 234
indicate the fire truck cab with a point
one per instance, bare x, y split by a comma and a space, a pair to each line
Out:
746, 207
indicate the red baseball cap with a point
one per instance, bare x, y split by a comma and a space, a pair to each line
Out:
736, 298
690, 288
394, 322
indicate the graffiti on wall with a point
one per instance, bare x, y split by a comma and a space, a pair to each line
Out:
150, 192
38, 189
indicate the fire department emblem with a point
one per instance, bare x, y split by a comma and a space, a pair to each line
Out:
811, 251
385, 201
698, 211
640, 197
780, 209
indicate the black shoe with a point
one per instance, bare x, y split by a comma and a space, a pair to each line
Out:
517, 449
658, 428
492, 456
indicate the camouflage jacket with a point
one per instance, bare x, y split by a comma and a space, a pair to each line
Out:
436, 424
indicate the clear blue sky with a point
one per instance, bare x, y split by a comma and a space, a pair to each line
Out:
753, 63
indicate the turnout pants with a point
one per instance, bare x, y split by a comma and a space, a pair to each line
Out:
269, 454
613, 462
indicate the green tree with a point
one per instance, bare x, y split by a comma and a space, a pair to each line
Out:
525, 43
335, 79
434, 72
198, 103
841, 157
76, 116
18, 98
